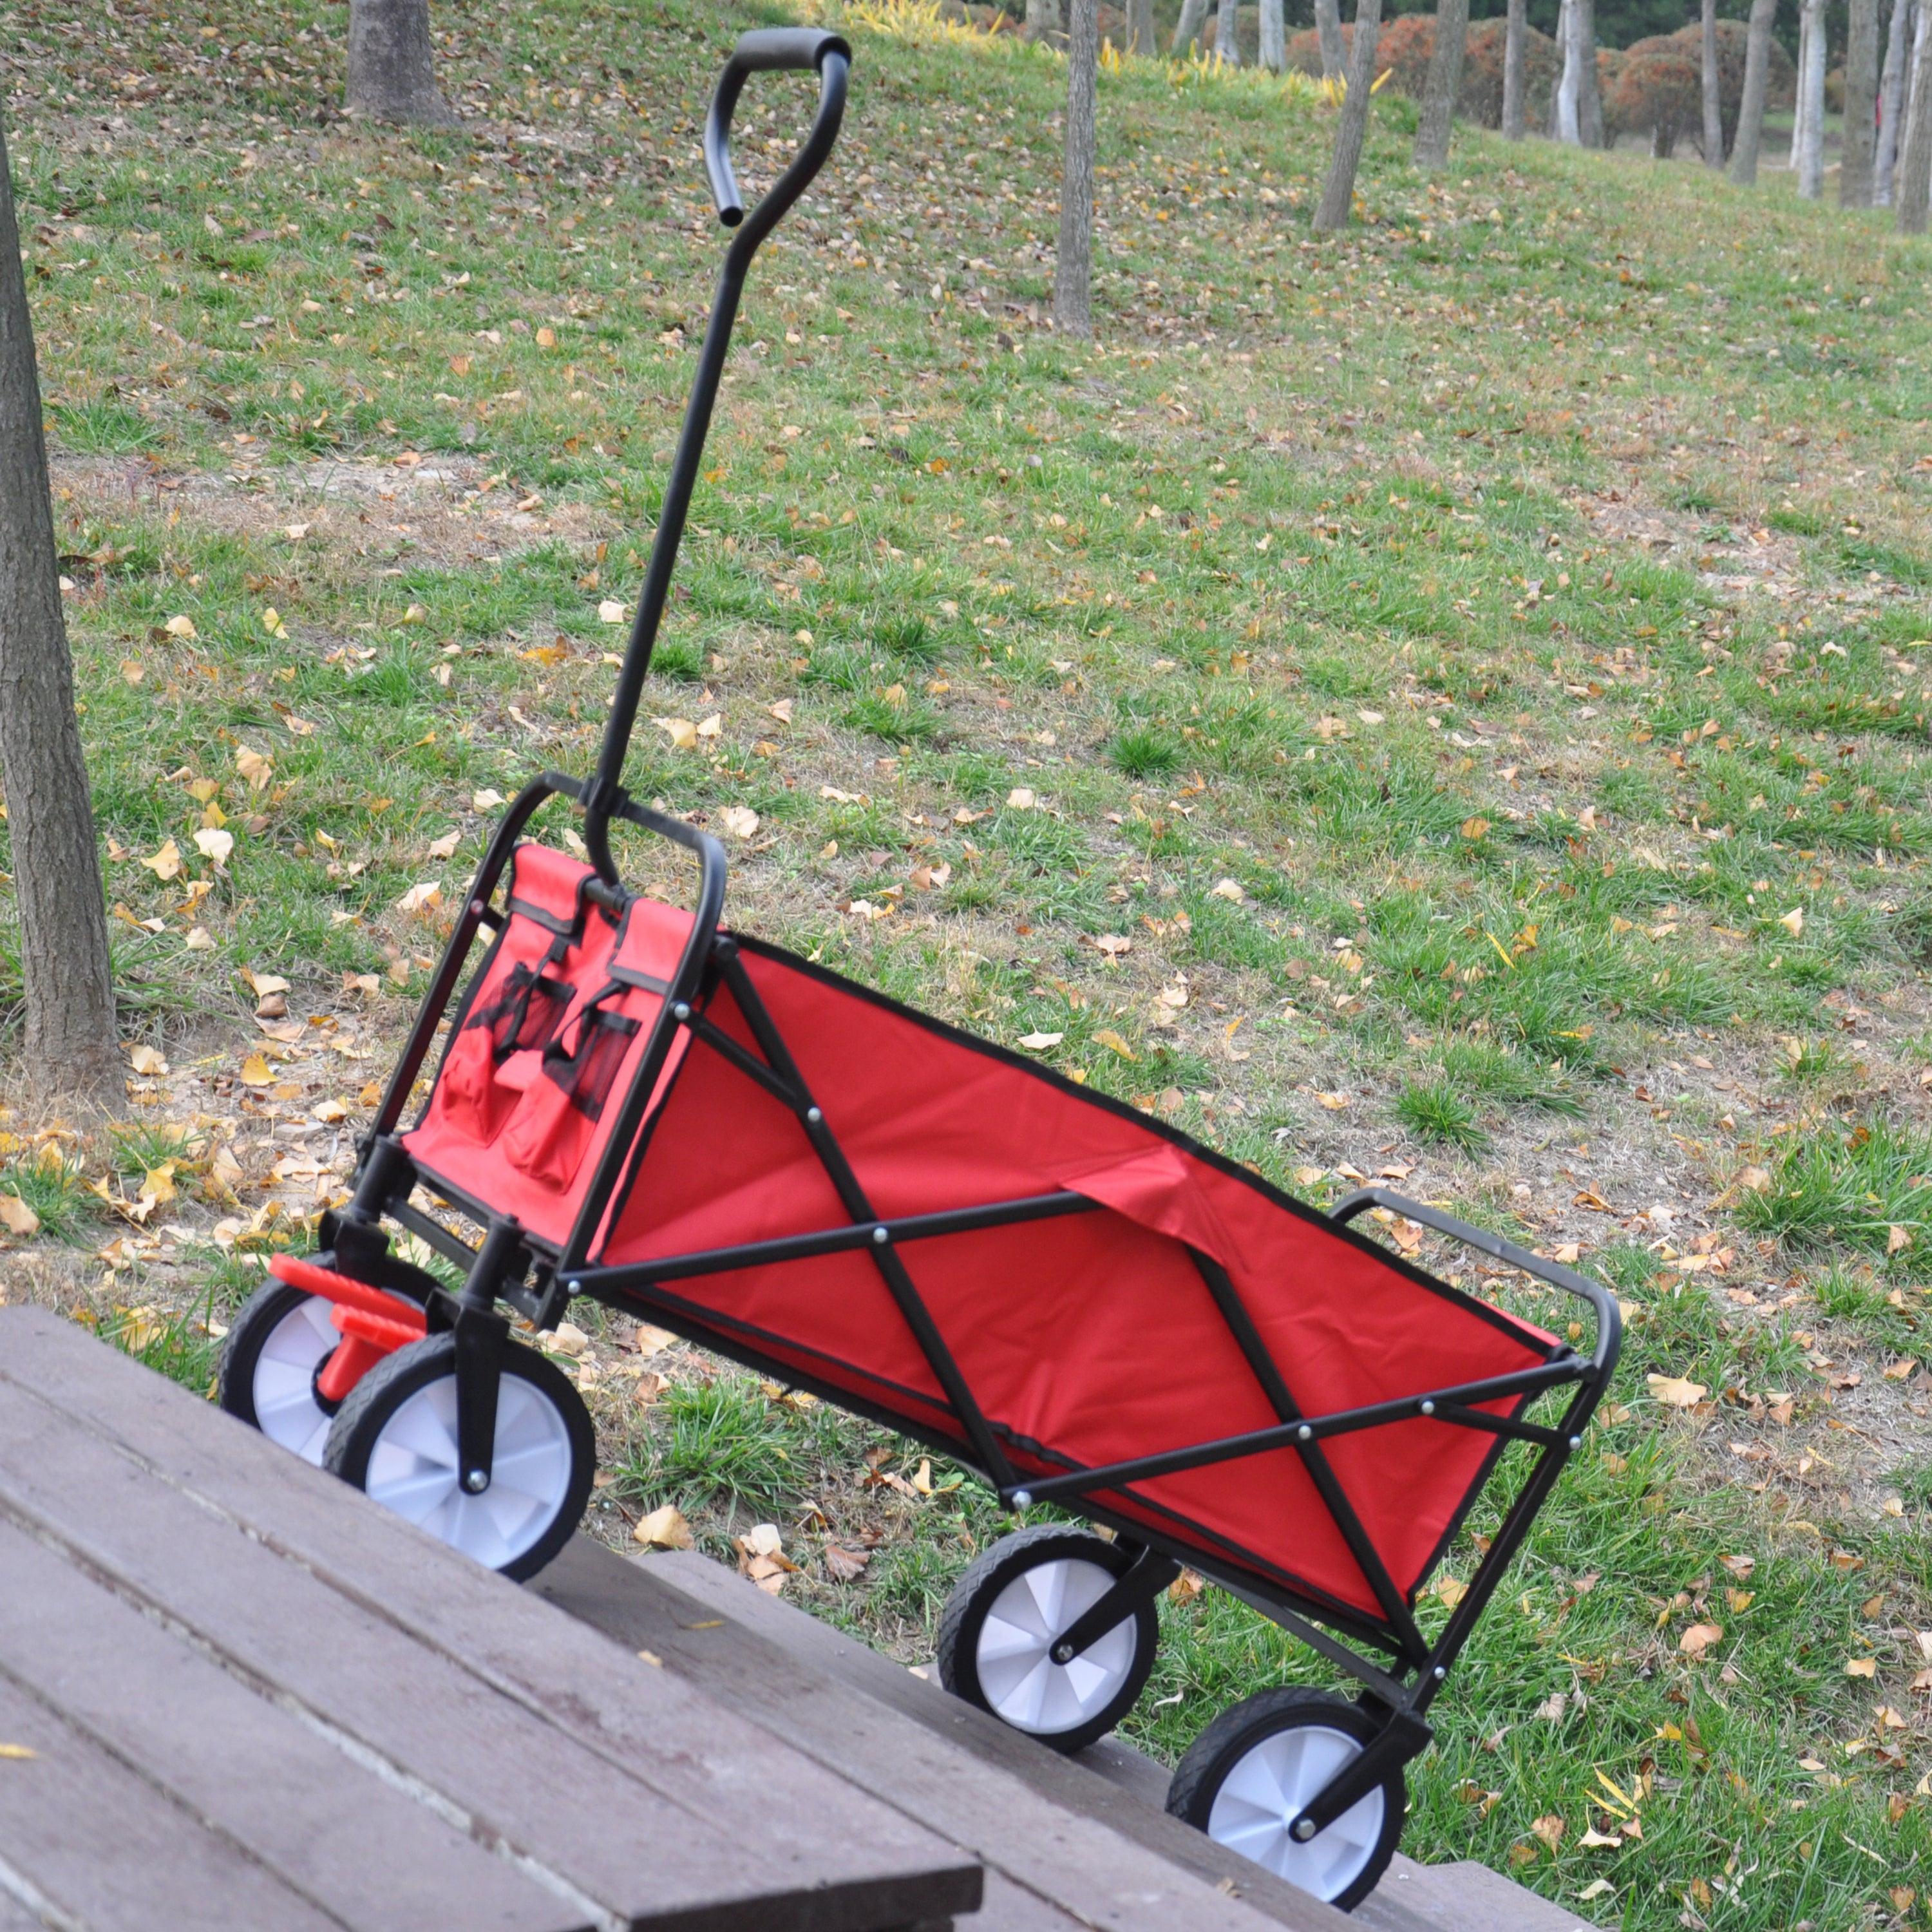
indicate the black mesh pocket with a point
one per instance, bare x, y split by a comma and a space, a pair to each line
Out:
600, 1048
526, 1017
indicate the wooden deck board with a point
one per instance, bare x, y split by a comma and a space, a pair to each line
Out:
329, 1827
81, 1834
618, 1788
1072, 1848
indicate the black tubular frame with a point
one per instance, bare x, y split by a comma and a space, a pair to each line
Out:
539, 1277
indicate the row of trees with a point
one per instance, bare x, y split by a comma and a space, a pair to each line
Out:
1714, 77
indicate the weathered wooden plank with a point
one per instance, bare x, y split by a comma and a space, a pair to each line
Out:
370, 1855
83, 1835
509, 1765
1045, 1824
1065, 1781
695, 1816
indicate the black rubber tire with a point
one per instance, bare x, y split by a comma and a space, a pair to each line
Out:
263, 1312
1208, 1761
375, 1398
980, 1584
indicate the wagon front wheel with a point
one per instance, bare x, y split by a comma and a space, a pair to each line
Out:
1246, 1777
1007, 1612
395, 1438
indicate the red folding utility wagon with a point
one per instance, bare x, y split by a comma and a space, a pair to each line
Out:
635, 1104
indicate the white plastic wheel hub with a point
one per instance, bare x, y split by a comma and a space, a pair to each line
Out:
413, 1470
283, 1384
1266, 1791
1021, 1683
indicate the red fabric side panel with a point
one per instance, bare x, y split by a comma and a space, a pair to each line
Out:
527, 1155
1094, 1335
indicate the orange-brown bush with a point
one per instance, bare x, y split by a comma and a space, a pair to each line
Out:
1658, 89
1407, 44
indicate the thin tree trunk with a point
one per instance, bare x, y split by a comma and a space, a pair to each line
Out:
1072, 268
1187, 28
1566, 104
1140, 27
391, 67
1855, 168
1811, 97
1514, 114
1798, 102
1589, 94
1921, 21
1891, 100
1444, 86
1714, 110
1915, 161
1338, 194
1328, 37
1274, 51
1757, 76
1227, 21
69, 1046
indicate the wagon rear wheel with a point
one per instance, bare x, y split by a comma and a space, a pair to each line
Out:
273, 1351
395, 1439
1249, 1774
1004, 1615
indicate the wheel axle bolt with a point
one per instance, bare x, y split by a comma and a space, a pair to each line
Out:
1063, 1653
1304, 1829
476, 1482
1576, 1442
1022, 1499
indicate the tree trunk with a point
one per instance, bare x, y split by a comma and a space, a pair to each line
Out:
1891, 100
1855, 168
1274, 51
1921, 19
1566, 105
1552, 124
1443, 87
391, 68
1187, 28
1810, 161
1328, 36
1338, 194
69, 1046
1514, 115
1757, 75
1140, 28
1227, 21
1714, 110
1589, 93
1915, 161
1072, 268
1798, 102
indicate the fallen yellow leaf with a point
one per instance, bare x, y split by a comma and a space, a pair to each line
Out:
664, 1529
1676, 1391
16, 1217
256, 1072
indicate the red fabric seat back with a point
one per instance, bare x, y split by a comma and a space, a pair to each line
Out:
545, 1045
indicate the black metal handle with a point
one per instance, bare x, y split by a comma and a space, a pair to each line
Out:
774, 50
1609, 1318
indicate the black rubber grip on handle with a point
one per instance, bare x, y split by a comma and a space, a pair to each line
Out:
772, 50
778, 49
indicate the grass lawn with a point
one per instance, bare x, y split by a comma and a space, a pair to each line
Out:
1472, 673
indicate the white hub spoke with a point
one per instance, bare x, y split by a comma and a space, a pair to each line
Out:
1270, 1785
1013, 1653
413, 1469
